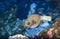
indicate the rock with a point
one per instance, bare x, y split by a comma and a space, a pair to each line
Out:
18, 36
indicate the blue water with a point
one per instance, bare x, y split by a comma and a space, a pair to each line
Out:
12, 21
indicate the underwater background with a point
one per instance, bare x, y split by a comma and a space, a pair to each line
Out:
13, 13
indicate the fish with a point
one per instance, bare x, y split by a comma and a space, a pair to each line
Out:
34, 20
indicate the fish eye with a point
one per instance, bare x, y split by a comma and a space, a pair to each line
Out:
28, 23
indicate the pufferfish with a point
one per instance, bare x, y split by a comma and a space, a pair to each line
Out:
34, 20
36, 24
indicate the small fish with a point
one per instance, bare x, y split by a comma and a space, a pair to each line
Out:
34, 20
